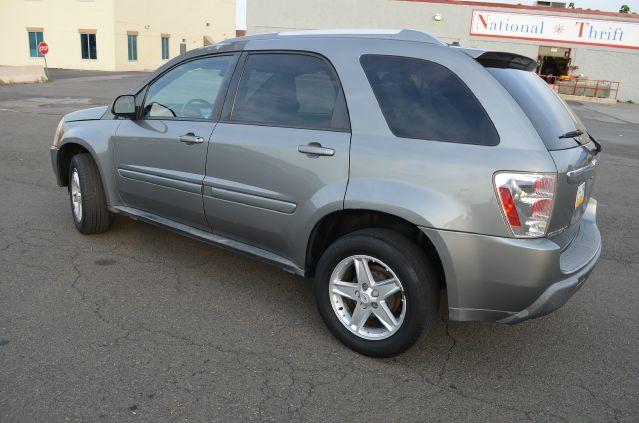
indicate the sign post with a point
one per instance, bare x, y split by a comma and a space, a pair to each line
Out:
43, 48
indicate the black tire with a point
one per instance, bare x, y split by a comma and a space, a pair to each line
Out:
410, 265
94, 215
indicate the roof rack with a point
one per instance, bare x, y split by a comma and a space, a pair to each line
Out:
391, 34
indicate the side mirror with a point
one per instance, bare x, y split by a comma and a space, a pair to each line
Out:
124, 106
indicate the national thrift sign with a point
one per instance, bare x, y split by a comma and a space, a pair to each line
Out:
609, 33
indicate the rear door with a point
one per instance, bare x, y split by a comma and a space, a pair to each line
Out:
280, 153
567, 140
160, 157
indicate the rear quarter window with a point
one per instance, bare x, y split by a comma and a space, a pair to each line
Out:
424, 100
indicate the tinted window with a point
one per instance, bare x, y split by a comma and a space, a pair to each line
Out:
424, 100
88, 46
165, 48
35, 38
189, 90
548, 113
132, 47
290, 90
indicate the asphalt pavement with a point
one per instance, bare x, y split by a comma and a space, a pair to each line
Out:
141, 324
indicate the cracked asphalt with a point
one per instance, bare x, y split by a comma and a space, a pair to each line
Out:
140, 324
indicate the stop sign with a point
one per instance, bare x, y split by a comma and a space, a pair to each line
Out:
43, 48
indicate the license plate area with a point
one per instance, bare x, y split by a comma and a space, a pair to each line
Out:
581, 195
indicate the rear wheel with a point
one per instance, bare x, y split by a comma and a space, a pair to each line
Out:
376, 292
86, 194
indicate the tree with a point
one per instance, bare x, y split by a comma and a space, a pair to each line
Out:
624, 9
571, 5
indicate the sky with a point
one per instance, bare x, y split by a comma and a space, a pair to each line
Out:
607, 5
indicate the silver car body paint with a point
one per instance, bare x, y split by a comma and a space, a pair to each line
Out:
247, 188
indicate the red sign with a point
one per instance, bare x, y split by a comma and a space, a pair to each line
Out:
43, 48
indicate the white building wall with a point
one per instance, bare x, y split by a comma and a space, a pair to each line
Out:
187, 22
612, 64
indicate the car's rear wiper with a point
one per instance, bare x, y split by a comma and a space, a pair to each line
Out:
597, 145
572, 134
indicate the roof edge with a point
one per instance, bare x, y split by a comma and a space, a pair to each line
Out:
632, 16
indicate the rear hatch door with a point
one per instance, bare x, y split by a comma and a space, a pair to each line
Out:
573, 150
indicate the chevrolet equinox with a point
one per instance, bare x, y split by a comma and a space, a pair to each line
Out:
385, 164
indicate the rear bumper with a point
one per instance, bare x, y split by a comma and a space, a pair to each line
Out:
510, 280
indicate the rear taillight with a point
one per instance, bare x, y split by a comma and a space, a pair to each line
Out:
527, 201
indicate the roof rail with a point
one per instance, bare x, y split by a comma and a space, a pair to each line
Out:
391, 34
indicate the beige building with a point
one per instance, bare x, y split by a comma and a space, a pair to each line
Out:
603, 46
110, 34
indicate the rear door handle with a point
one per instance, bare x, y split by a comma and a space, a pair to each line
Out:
315, 149
191, 138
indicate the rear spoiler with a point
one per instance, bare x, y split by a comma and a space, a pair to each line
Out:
502, 60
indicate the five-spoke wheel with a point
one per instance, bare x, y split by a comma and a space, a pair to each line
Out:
376, 291
76, 195
367, 297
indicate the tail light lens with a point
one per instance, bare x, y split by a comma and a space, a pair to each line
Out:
527, 201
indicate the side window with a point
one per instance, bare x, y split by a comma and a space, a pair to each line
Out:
424, 100
290, 90
189, 90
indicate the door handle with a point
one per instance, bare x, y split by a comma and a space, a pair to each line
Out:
191, 138
315, 149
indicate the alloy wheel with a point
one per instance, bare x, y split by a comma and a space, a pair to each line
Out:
76, 195
367, 297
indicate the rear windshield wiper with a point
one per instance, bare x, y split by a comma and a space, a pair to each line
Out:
597, 145
572, 134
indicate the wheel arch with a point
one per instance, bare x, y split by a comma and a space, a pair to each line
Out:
101, 154
65, 154
339, 223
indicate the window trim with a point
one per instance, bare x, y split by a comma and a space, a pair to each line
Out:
229, 106
217, 104
454, 74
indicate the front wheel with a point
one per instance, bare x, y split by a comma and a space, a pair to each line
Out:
86, 194
376, 292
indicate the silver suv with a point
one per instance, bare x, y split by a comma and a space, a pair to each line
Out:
387, 165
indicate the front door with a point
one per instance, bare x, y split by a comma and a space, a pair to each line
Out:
280, 156
160, 157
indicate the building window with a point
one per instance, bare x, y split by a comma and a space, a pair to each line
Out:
133, 47
89, 50
35, 38
165, 48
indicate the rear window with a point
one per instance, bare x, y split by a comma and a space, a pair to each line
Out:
425, 100
549, 114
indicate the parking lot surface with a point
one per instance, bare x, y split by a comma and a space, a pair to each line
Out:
140, 324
